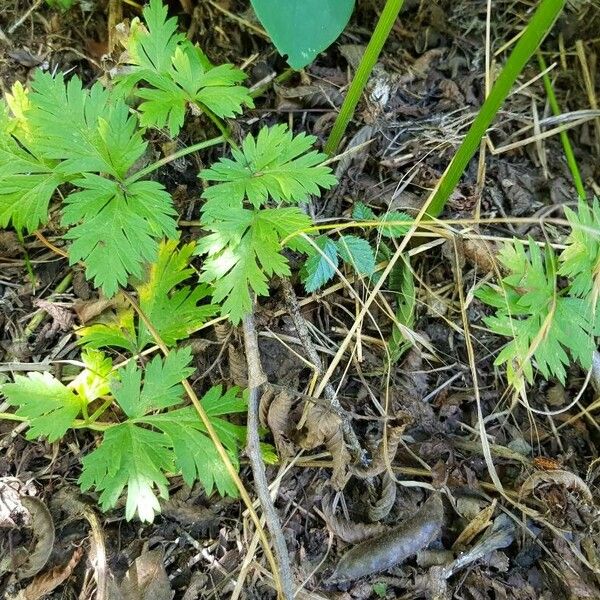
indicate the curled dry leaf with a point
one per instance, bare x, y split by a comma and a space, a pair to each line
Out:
147, 579
559, 477
383, 456
324, 427
87, 310
500, 535
475, 526
384, 504
264, 404
42, 526
278, 421
394, 546
348, 531
44, 584
238, 369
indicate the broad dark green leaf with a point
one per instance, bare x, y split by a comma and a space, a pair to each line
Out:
303, 28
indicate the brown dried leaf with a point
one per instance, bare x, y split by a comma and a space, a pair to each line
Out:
278, 421
43, 530
264, 404
62, 317
348, 531
475, 526
147, 579
383, 456
238, 369
383, 506
87, 310
324, 427
12, 512
9, 244
559, 477
44, 584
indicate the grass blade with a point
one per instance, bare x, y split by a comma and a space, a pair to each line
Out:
540, 25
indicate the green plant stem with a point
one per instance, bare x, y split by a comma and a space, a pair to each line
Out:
564, 136
167, 159
77, 424
367, 62
99, 411
220, 125
537, 29
281, 78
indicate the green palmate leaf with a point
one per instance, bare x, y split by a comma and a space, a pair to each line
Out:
580, 260
27, 184
274, 165
116, 228
174, 310
321, 264
27, 180
195, 454
244, 251
161, 386
48, 405
301, 29
153, 48
101, 136
134, 458
545, 325
170, 73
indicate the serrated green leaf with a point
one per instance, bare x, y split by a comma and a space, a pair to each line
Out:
134, 458
546, 326
175, 312
27, 185
48, 405
161, 384
27, 181
116, 228
391, 221
321, 265
117, 330
580, 260
361, 212
168, 72
153, 48
274, 165
357, 253
244, 251
195, 454
101, 136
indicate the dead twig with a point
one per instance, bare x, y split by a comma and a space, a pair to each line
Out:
256, 378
